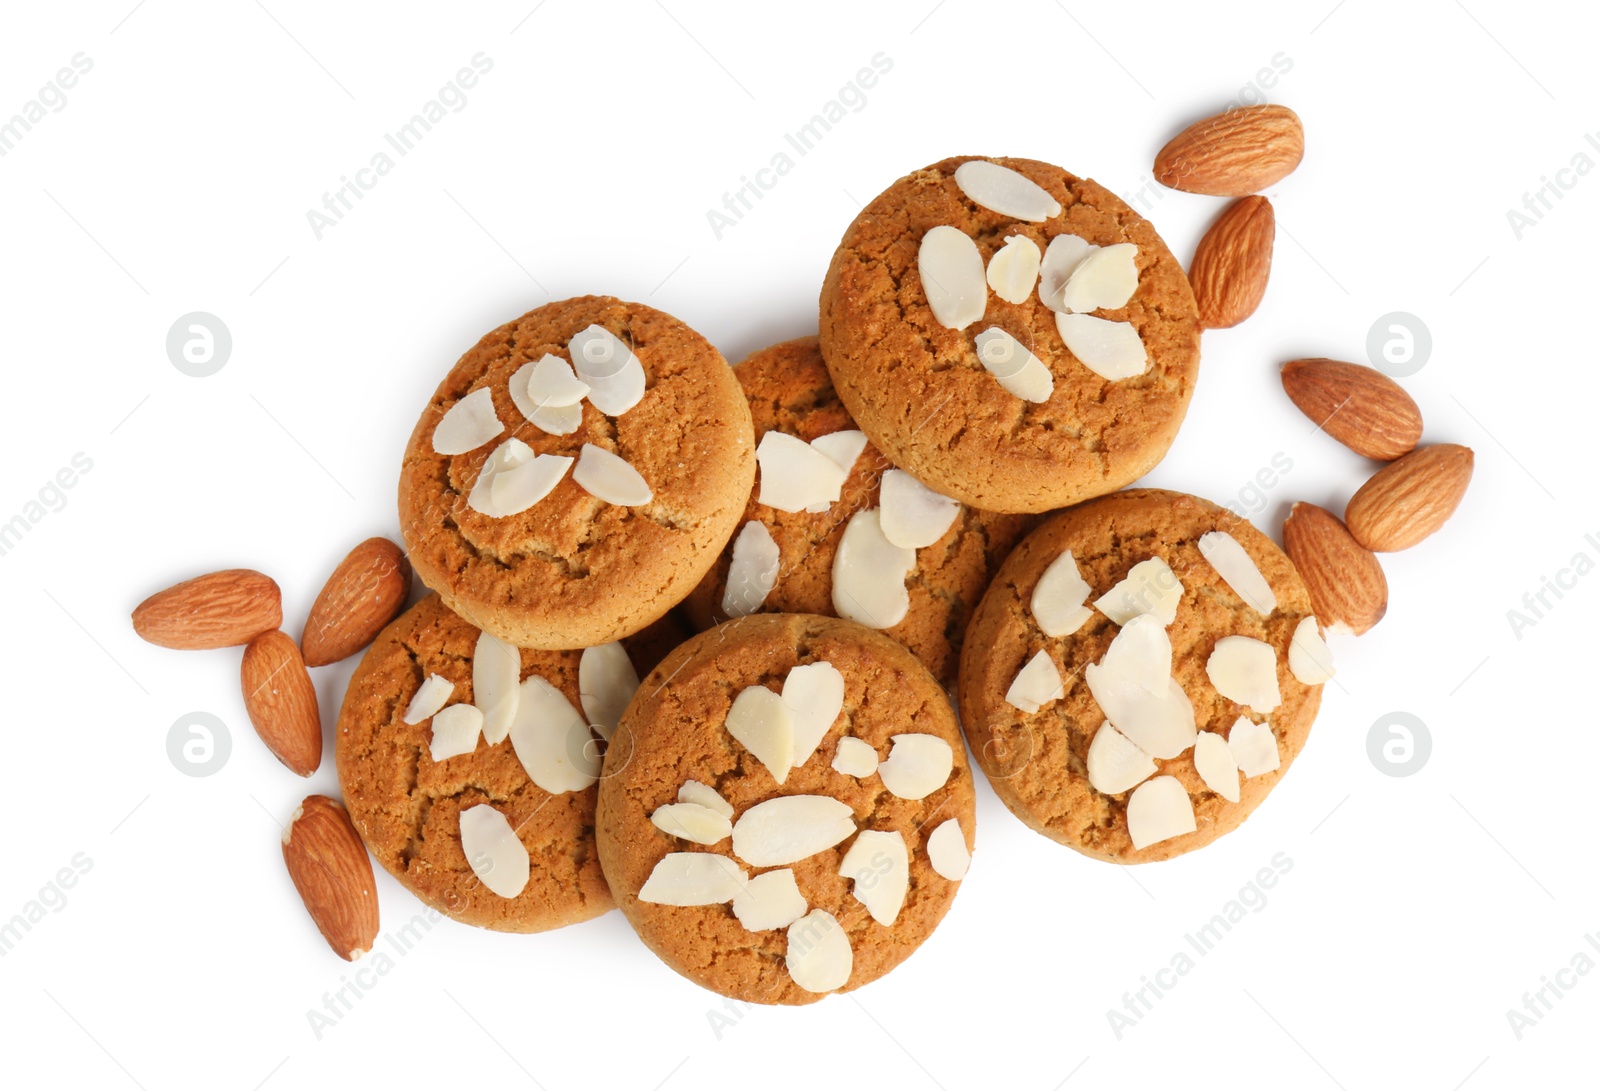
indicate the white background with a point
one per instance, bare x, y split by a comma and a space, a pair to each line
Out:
177, 179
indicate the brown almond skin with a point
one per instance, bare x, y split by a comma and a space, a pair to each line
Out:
1231, 264
330, 868
1359, 406
1409, 499
217, 610
1346, 582
282, 702
366, 591
1234, 153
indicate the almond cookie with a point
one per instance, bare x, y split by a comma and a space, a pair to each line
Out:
795, 551
786, 808
1142, 671
1015, 336
470, 779
576, 473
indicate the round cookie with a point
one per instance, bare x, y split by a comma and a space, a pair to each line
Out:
572, 570
676, 731
407, 807
919, 391
789, 390
1037, 762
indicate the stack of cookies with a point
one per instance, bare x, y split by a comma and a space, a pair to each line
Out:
698, 635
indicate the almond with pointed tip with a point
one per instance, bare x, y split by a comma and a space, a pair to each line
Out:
1235, 153
329, 867
282, 702
1231, 264
1359, 406
1409, 499
367, 590
218, 610
1345, 580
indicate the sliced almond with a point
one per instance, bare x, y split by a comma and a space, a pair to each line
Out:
1254, 746
814, 693
1003, 190
609, 477
786, 829
855, 758
1061, 259
1150, 587
455, 731
753, 566
1159, 809
947, 850
692, 822
795, 474
1216, 765
495, 853
553, 383
1115, 764
1309, 659
607, 681
770, 900
879, 868
612, 372
844, 447
911, 514
1058, 598
496, 669
869, 574
1245, 670
952, 273
1238, 570
558, 420
917, 766
508, 456
431, 696
1112, 350
693, 878
1036, 684
763, 724
693, 791
1134, 687
552, 739
1014, 269
468, 424
1018, 370
1104, 279
516, 490
818, 957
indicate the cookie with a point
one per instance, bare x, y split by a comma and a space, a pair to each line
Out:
921, 390
408, 807
537, 557
1040, 762
789, 391
745, 849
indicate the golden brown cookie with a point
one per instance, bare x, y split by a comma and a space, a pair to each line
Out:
919, 391
677, 731
572, 570
1037, 762
407, 807
789, 390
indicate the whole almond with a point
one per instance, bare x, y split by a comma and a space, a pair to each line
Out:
1360, 407
1344, 578
366, 591
282, 702
1231, 264
1234, 153
1411, 498
329, 867
217, 610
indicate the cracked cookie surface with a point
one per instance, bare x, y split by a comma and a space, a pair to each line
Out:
572, 570
789, 390
675, 731
407, 807
919, 391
